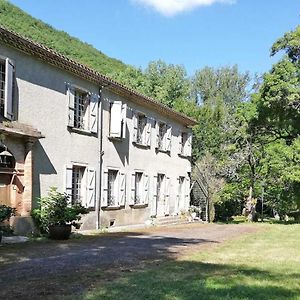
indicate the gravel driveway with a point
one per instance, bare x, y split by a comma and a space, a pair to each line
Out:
24, 268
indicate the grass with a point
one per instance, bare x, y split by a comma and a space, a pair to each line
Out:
261, 265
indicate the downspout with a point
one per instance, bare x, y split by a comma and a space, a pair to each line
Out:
100, 154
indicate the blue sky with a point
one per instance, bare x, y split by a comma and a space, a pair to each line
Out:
186, 32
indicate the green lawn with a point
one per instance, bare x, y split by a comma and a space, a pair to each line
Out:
261, 265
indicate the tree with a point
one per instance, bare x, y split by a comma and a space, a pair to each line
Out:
226, 83
279, 104
167, 83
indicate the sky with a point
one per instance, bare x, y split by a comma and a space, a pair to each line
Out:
192, 33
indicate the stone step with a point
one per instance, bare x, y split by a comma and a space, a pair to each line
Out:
169, 220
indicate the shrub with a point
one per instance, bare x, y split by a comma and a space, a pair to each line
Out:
56, 209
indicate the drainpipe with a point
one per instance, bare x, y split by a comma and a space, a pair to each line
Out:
100, 154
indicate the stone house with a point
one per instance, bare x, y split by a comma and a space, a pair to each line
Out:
124, 156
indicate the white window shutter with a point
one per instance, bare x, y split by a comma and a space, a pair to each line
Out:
148, 132
9, 79
68, 181
124, 117
132, 191
104, 188
122, 191
146, 189
167, 196
157, 134
187, 191
91, 188
93, 120
168, 139
188, 145
71, 110
116, 119
135, 126
155, 186
180, 143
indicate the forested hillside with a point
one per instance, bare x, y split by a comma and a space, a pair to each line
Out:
57, 40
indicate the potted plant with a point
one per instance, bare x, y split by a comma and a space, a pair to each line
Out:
56, 214
194, 211
6, 212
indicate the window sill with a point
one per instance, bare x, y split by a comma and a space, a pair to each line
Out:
115, 138
81, 131
163, 151
112, 207
139, 145
183, 155
138, 205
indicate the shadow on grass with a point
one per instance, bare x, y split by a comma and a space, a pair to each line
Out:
195, 280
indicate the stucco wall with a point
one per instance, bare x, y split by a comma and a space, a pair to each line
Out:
41, 101
128, 157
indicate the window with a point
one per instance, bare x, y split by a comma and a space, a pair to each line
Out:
117, 128
113, 188
139, 188
112, 192
83, 110
183, 141
141, 129
185, 144
77, 178
81, 103
6, 88
160, 186
183, 193
80, 184
163, 137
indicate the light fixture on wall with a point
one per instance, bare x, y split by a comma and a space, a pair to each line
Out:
5, 158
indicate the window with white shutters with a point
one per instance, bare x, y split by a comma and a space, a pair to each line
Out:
112, 188
117, 128
6, 88
139, 188
163, 137
185, 144
82, 109
80, 185
141, 129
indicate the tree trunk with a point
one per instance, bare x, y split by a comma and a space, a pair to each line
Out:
250, 209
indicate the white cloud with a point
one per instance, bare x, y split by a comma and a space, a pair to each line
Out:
170, 8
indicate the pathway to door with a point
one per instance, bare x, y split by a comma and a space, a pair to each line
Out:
36, 270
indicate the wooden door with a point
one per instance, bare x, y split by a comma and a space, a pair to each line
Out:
5, 189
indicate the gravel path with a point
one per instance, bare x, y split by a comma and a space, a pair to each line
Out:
32, 263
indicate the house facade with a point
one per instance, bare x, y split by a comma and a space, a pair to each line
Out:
121, 154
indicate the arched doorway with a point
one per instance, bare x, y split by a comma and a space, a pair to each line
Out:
7, 166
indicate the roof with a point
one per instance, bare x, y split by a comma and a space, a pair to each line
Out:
54, 58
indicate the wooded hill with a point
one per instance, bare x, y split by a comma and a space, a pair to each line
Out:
59, 41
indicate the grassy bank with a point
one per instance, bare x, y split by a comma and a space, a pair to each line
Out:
262, 265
